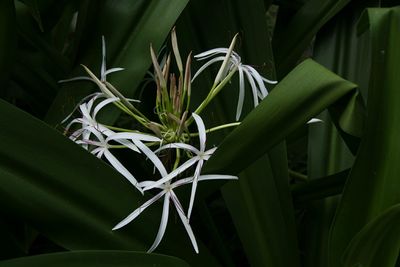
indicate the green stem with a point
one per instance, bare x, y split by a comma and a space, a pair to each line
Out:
233, 124
213, 92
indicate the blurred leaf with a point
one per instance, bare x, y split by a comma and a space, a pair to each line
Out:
97, 258
373, 184
378, 242
304, 92
294, 32
70, 196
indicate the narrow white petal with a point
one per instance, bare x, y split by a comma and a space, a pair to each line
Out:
152, 156
103, 59
194, 187
217, 177
269, 81
210, 151
180, 146
102, 104
79, 78
253, 86
139, 210
211, 52
111, 71
163, 224
173, 174
77, 106
202, 131
206, 177
121, 169
259, 81
148, 183
185, 221
206, 65
314, 120
134, 136
241, 95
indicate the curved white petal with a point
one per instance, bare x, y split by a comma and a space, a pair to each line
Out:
259, 81
253, 86
103, 59
78, 78
194, 187
205, 177
163, 224
269, 81
77, 105
211, 52
111, 71
202, 131
241, 95
206, 65
148, 183
179, 146
102, 104
314, 120
134, 136
152, 156
185, 221
121, 169
137, 211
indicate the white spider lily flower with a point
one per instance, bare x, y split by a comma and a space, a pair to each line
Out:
168, 194
257, 82
199, 158
103, 69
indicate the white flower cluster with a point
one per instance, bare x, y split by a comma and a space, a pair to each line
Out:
100, 139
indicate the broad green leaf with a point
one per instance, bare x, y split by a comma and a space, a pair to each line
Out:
73, 198
377, 243
304, 92
373, 184
295, 30
96, 258
254, 202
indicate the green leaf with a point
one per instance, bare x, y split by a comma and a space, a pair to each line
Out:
73, 198
304, 92
295, 30
373, 184
319, 188
97, 258
377, 243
